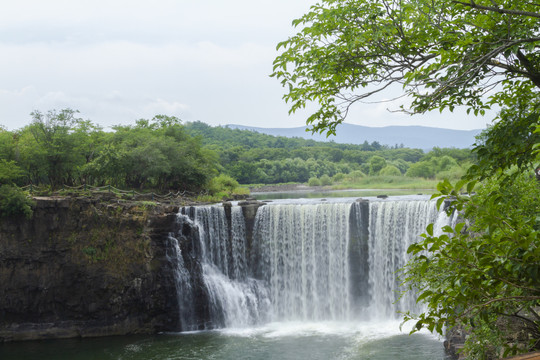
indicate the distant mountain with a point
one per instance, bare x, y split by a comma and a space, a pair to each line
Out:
419, 137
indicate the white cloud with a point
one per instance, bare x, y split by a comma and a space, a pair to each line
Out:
160, 106
118, 61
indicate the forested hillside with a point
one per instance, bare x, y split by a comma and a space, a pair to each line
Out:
252, 157
421, 137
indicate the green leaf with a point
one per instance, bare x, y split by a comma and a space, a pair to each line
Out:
429, 229
425, 294
448, 229
470, 186
440, 201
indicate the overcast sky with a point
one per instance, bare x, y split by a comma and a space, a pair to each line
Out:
117, 61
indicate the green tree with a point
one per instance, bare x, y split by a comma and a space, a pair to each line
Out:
425, 169
445, 54
10, 172
89, 140
486, 269
390, 170
326, 180
7, 144
376, 163
53, 135
401, 164
32, 158
14, 202
155, 153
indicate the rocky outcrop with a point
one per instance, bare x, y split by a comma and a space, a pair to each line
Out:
84, 267
249, 210
455, 342
359, 255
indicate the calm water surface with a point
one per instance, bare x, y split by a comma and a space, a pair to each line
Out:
280, 341
309, 194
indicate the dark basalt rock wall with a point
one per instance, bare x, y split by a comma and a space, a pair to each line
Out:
82, 267
359, 255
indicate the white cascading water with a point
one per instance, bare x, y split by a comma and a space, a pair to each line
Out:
238, 299
394, 225
300, 260
183, 285
305, 253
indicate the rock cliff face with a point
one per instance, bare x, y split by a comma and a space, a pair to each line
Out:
82, 268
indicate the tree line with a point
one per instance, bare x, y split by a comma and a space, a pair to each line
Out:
59, 148
255, 158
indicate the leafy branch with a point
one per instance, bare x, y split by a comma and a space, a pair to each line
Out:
497, 9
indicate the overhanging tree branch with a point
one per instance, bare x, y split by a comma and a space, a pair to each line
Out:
474, 5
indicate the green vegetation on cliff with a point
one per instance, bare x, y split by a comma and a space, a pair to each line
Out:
58, 148
14, 202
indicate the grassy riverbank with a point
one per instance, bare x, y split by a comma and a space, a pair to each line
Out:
387, 182
368, 182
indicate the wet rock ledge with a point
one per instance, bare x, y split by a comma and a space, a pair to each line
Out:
85, 267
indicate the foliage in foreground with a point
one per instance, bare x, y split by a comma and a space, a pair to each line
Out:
443, 54
491, 263
484, 272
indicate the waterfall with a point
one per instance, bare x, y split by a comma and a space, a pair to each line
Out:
234, 299
183, 286
330, 261
394, 225
305, 252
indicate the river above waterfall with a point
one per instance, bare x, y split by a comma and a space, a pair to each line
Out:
274, 341
346, 193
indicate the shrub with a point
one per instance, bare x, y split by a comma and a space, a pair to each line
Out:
423, 169
376, 164
338, 177
364, 168
446, 163
313, 181
454, 173
390, 170
326, 180
401, 164
356, 175
222, 183
14, 202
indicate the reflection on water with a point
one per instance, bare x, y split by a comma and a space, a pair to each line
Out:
283, 341
308, 194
